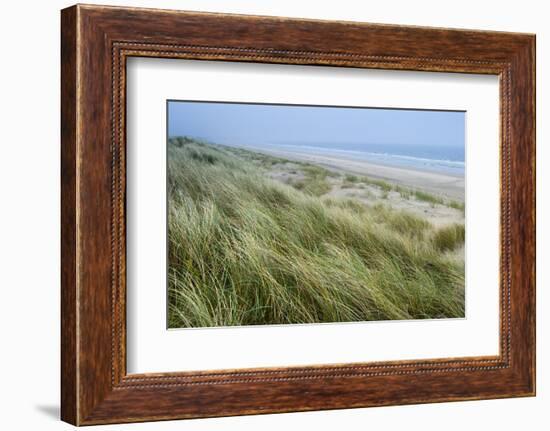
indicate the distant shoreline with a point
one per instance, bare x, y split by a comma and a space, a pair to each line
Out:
443, 184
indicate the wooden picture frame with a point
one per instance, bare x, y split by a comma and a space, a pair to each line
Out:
95, 43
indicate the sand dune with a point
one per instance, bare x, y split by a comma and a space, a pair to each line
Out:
438, 183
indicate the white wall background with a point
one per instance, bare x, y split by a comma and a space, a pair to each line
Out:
29, 214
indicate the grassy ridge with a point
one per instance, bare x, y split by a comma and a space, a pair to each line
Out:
405, 192
246, 250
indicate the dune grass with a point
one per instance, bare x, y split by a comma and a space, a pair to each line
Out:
315, 182
247, 250
427, 197
406, 193
457, 205
449, 237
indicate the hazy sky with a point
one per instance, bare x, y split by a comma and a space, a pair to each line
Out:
249, 124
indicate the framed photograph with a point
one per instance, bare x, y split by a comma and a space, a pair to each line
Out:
263, 214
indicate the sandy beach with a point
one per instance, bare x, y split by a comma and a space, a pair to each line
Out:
441, 184
445, 208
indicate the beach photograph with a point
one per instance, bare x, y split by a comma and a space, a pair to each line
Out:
301, 214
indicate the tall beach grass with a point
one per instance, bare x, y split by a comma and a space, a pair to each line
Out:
247, 250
